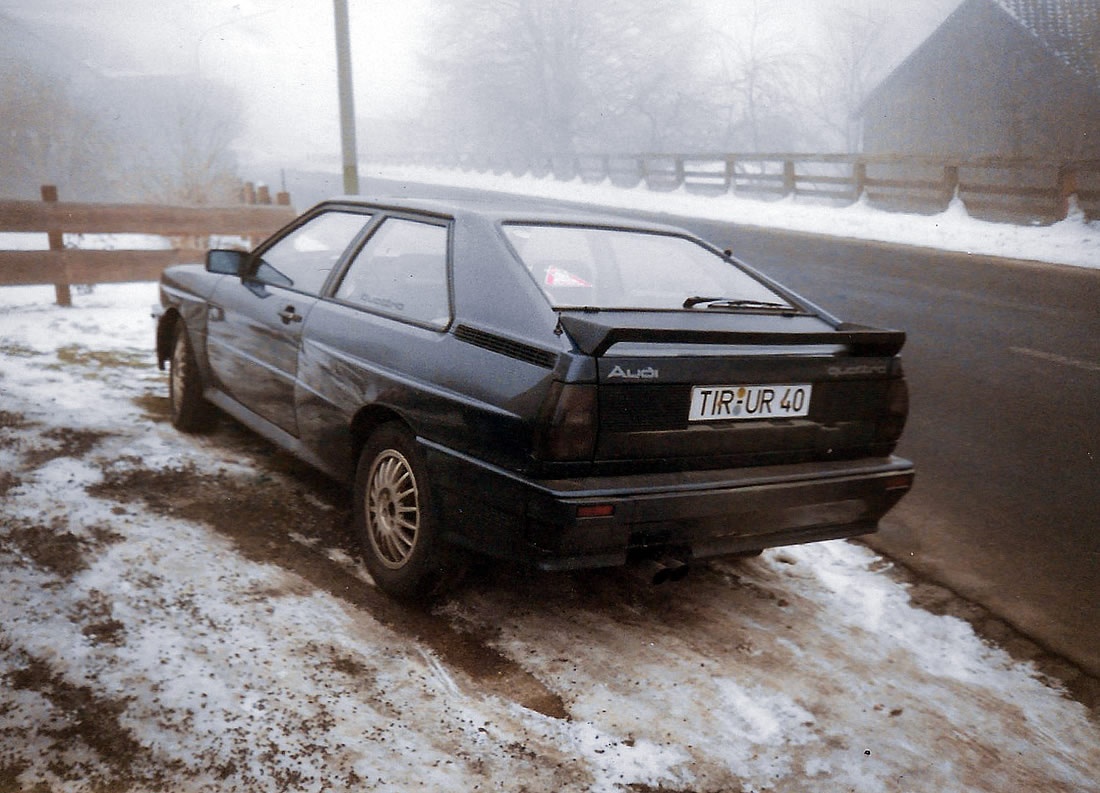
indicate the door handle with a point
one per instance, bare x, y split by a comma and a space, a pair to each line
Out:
289, 315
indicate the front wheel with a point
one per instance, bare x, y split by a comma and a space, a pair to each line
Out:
190, 411
396, 521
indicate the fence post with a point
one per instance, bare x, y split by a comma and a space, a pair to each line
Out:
1067, 188
731, 174
790, 183
859, 179
63, 293
950, 184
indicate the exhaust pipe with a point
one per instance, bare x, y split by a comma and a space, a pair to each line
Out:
666, 568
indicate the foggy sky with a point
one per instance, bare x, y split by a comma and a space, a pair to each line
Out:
279, 54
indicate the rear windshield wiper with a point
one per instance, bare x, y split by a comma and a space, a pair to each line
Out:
727, 302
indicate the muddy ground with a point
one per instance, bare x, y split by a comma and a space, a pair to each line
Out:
190, 613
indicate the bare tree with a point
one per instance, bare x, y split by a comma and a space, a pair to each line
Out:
761, 72
852, 58
541, 76
194, 163
669, 104
97, 137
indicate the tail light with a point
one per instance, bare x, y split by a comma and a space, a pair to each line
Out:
895, 413
566, 429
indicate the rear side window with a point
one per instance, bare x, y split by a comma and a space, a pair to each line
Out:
305, 256
402, 272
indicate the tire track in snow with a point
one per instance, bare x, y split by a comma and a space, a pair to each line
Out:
242, 511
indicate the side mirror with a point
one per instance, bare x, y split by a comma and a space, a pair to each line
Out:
225, 262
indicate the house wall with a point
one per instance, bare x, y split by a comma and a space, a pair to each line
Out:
981, 85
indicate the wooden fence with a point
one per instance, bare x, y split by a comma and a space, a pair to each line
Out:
187, 229
1007, 189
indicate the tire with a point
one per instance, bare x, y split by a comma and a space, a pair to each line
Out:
396, 519
190, 412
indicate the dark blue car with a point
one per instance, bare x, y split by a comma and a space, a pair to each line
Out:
564, 389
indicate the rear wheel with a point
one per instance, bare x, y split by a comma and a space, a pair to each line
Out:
190, 412
396, 519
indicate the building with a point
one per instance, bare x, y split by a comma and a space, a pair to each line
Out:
999, 78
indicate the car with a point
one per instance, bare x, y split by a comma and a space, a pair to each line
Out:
542, 385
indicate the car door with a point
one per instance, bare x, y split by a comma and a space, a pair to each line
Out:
255, 322
381, 338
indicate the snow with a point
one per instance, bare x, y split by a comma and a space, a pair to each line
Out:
1074, 241
807, 668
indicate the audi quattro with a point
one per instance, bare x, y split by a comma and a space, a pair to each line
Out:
564, 389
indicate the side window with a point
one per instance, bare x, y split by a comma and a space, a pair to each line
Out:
303, 258
402, 271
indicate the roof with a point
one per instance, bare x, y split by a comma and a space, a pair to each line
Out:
1068, 29
503, 207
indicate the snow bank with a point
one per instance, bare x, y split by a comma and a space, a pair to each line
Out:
1073, 241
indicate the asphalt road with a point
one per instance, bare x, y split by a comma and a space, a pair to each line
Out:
1003, 361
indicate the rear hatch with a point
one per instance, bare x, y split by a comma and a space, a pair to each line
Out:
690, 391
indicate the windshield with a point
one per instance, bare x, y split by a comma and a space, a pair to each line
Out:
579, 266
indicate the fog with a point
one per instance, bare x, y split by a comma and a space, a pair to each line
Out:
428, 75
278, 55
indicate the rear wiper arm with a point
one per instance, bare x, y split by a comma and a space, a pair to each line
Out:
727, 302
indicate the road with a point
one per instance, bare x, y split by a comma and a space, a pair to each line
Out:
1003, 360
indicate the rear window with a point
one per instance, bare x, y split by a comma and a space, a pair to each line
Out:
621, 269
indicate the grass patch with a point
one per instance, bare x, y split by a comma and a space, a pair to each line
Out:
15, 350
79, 355
10, 420
155, 407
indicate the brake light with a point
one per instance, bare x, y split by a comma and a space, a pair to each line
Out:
596, 511
897, 411
567, 424
902, 482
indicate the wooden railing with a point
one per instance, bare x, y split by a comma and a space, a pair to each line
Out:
1012, 189
187, 229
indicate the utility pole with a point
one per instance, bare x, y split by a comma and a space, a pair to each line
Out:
347, 100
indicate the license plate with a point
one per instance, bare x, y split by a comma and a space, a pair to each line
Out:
739, 402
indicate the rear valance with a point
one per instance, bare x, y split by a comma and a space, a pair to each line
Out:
595, 333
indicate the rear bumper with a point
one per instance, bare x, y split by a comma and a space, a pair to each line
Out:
697, 514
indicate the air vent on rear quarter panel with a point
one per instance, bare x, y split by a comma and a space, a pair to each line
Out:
505, 346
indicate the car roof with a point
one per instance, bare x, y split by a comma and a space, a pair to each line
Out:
499, 207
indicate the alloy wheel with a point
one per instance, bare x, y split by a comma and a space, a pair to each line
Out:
393, 509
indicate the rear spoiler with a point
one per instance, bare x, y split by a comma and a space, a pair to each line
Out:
595, 337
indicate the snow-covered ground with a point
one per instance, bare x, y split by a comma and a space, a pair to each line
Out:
187, 614
1074, 241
